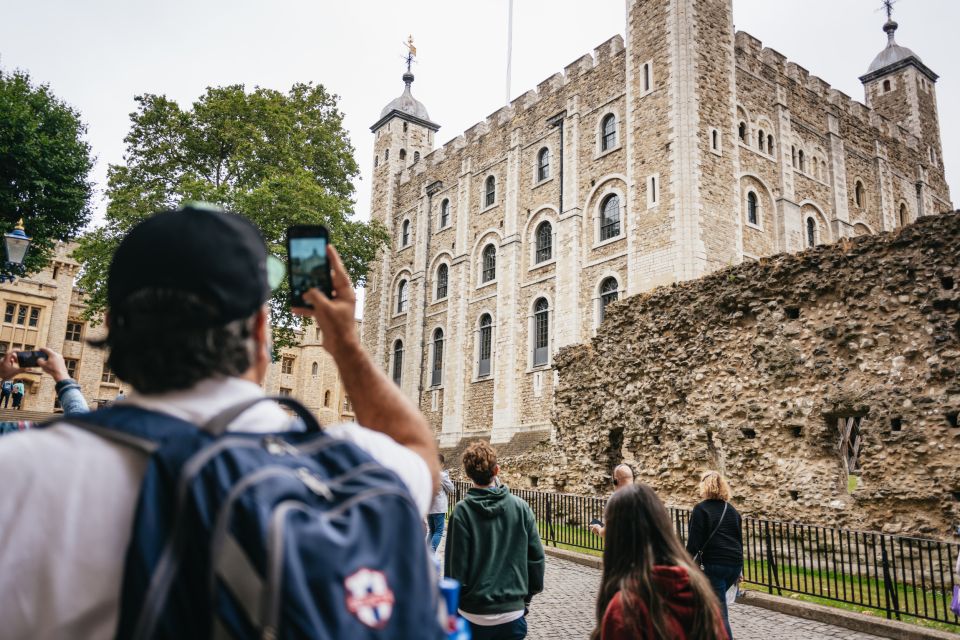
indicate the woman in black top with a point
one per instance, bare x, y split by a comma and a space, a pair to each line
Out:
715, 538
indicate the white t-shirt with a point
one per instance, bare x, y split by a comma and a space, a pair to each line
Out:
67, 507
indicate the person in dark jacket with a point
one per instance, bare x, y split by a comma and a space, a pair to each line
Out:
650, 588
494, 550
715, 539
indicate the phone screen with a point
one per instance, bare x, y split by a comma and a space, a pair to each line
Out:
308, 267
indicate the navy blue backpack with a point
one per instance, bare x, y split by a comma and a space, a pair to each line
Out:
281, 535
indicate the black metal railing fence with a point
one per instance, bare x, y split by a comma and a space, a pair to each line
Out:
898, 575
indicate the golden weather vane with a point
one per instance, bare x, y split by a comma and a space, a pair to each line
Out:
411, 52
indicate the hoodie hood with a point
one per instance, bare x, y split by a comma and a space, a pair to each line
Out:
488, 503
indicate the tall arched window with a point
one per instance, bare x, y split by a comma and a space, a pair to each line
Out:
442, 276
416, 156
485, 349
489, 263
610, 217
403, 154
541, 332
444, 213
398, 362
904, 215
753, 216
858, 193
770, 148
490, 192
811, 232
314, 369
761, 140
609, 292
543, 164
402, 296
793, 156
608, 132
405, 233
436, 374
326, 398
803, 164
544, 242
742, 132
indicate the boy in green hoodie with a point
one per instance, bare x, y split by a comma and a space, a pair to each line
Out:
494, 550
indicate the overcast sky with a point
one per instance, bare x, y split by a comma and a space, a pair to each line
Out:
98, 54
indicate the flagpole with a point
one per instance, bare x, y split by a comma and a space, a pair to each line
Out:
509, 47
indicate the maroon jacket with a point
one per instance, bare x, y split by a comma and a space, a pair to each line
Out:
674, 583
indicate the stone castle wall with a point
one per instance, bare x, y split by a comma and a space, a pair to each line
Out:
751, 369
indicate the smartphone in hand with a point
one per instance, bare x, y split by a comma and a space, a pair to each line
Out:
27, 359
307, 262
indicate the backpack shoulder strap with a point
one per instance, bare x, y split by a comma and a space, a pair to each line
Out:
128, 425
219, 423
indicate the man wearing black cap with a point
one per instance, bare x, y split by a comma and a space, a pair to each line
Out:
189, 332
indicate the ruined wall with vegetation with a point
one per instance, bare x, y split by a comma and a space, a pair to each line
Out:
761, 370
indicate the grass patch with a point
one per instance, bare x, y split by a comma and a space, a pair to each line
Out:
852, 483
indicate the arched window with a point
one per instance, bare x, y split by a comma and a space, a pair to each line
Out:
402, 296
904, 215
489, 263
326, 398
436, 374
610, 217
376, 161
609, 292
770, 148
485, 345
445, 213
405, 233
742, 132
608, 132
404, 127
544, 242
541, 332
403, 154
416, 156
442, 275
490, 192
715, 140
397, 362
811, 232
886, 86
803, 165
386, 154
858, 193
761, 139
315, 369
753, 216
543, 164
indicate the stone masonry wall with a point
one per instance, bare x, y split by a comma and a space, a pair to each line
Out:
749, 369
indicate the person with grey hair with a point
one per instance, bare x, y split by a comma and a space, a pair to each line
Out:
622, 477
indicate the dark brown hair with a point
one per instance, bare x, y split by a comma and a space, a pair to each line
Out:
479, 461
639, 535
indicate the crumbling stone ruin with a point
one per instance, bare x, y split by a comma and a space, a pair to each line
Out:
824, 384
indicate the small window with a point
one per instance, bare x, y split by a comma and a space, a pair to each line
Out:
609, 292
544, 249
770, 148
647, 79
397, 362
904, 215
886, 86
610, 217
811, 232
72, 364
486, 345
851, 442
543, 164
652, 194
402, 296
286, 391
443, 273
107, 375
286, 365
445, 213
761, 140
489, 264
404, 127
752, 213
858, 194
436, 374
715, 140
490, 192
74, 331
21, 314
405, 234
386, 154
326, 398
416, 156
541, 332
403, 154
8, 313
742, 132
314, 369
608, 135
801, 161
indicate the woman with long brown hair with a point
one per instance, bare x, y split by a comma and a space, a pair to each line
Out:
650, 588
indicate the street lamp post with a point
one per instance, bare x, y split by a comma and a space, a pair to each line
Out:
15, 246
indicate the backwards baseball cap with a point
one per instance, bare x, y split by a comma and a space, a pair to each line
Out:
201, 249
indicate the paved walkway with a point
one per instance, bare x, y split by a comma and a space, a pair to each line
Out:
565, 609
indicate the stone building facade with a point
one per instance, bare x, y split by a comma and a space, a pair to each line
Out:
46, 310
678, 150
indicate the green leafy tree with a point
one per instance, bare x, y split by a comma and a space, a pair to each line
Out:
44, 167
278, 159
